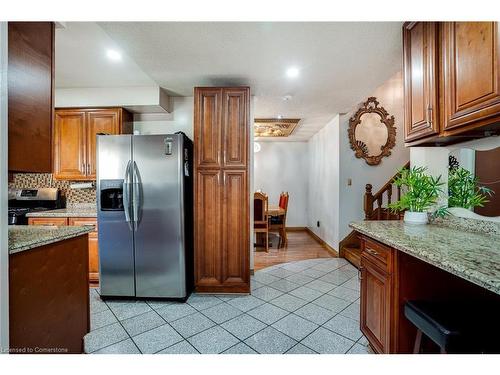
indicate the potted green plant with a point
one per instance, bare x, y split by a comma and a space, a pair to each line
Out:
464, 190
420, 193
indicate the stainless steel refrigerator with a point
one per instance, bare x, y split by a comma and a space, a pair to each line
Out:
145, 206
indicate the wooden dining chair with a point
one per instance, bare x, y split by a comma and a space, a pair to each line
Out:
260, 220
279, 223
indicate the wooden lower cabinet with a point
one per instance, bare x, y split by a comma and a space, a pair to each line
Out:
376, 293
378, 283
390, 278
48, 221
93, 246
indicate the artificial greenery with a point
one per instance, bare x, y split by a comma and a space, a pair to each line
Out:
464, 191
421, 191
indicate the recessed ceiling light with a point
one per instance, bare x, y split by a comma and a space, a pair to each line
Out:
292, 72
114, 55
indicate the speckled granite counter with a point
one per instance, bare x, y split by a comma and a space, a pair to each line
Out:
70, 211
25, 237
472, 256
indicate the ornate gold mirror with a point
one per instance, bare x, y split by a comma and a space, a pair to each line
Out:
371, 132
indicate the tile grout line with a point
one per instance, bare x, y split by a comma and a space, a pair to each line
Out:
288, 313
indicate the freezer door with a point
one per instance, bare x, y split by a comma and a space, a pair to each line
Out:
158, 212
116, 242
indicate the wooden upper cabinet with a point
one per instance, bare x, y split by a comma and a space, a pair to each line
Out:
207, 123
69, 145
75, 132
235, 127
30, 96
420, 64
103, 121
471, 74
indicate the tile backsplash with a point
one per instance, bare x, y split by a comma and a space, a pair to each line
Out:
39, 180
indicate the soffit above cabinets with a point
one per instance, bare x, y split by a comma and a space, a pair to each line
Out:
271, 127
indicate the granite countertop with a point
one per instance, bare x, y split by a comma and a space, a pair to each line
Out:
70, 211
472, 256
26, 237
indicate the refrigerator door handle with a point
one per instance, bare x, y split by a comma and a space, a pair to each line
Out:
137, 197
126, 194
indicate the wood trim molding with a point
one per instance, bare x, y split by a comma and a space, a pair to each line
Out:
295, 229
321, 242
372, 106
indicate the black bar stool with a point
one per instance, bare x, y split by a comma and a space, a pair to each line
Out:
456, 327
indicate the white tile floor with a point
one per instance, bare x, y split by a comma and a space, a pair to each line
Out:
303, 307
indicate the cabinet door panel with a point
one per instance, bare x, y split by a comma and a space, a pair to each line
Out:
69, 145
235, 258
420, 82
100, 121
207, 123
93, 258
208, 247
375, 305
235, 127
30, 112
471, 73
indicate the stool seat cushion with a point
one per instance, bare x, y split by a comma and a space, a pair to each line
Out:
458, 326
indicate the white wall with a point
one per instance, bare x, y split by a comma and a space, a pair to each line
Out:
323, 188
4, 250
282, 166
179, 119
390, 96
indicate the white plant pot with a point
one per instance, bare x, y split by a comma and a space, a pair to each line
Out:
416, 217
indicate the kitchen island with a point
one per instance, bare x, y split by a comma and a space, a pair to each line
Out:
48, 289
429, 262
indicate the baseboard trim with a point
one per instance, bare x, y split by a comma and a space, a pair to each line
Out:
321, 242
295, 229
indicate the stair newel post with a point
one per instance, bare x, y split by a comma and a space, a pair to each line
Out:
368, 202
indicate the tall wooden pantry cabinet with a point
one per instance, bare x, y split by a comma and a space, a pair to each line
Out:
222, 137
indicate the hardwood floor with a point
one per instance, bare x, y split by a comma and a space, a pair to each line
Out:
301, 245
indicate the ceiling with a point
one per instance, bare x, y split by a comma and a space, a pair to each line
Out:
339, 63
81, 60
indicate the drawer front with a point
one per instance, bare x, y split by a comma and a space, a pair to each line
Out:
49, 221
83, 221
377, 253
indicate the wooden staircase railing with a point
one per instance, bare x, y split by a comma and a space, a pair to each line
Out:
350, 246
380, 212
